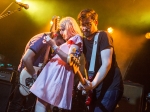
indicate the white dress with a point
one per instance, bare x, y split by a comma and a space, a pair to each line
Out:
55, 83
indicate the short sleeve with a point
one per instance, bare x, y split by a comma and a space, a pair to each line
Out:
36, 43
105, 40
76, 40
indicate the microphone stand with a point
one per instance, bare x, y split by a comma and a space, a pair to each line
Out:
9, 12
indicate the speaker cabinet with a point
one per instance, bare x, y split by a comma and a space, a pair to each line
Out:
5, 93
132, 100
8, 75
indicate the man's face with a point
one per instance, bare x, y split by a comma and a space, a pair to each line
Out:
88, 26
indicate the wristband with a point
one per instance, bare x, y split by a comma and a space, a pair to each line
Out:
47, 38
55, 47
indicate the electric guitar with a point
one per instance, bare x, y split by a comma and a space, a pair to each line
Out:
74, 61
26, 80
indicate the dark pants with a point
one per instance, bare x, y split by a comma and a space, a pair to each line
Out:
106, 102
20, 103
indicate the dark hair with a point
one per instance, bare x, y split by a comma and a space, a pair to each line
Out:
59, 36
87, 13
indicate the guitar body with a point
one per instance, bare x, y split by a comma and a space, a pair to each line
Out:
26, 81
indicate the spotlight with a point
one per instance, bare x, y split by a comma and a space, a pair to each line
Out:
110, 30
51, 22
18, 0
147, 35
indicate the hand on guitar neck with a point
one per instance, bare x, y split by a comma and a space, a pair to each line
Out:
53, 30
74, 61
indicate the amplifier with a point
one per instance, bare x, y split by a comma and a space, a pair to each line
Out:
7, 75
133, 97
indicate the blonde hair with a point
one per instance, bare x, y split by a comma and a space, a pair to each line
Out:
71, 26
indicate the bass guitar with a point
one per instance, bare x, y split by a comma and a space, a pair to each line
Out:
74, 61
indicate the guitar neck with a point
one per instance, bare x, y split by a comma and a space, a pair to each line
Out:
74, 62
81, 77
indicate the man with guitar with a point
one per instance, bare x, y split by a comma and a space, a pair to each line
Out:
36, 55
105, 81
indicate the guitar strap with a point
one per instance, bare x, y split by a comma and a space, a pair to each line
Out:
93, 57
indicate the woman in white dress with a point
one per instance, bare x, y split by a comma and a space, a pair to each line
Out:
54, 85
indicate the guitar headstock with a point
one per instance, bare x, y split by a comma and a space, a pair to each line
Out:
54, 25
74, 60
53, 29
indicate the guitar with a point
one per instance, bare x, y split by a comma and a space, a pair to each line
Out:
26, 80
74, 61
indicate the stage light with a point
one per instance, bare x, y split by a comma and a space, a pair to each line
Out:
147, 35
18, 0
110, 30
51, 23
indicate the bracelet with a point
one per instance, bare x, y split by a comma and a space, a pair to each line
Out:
55, 47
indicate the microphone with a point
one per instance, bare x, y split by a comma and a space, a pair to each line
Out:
26, 6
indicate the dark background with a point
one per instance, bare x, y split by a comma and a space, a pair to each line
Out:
130, 20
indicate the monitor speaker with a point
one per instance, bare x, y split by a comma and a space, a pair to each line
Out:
132, 100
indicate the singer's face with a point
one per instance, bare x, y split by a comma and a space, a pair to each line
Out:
63, 32
88, 26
